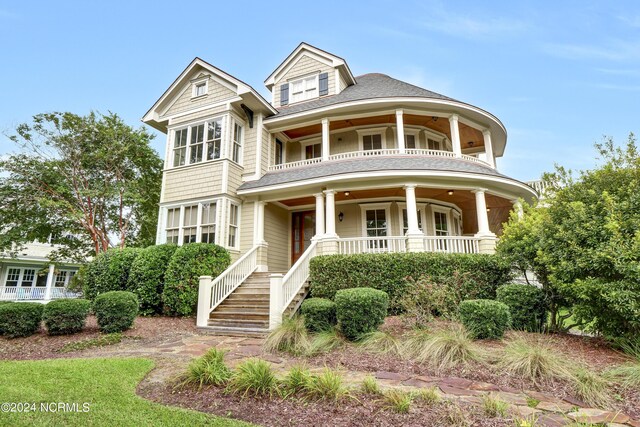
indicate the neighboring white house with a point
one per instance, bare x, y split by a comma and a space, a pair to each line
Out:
30, 276
333, 163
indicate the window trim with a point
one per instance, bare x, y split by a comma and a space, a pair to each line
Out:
197, 83
236, 245
447, 212
370, 207
233, 141
181, 209
416, 134
304, 78
382, 131
279, 146
307, 142
204, 142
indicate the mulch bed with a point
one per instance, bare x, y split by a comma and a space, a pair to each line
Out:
146, 331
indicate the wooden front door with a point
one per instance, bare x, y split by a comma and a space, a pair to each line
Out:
303, 228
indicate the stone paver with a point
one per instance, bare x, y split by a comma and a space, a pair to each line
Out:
595, 416
563, 407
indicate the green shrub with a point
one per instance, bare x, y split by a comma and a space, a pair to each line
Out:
319, 314
253, 377
425, 298
146, 278
209, 369
526, 305
20, 319
109, 271
485, 318
115, 311
66, 316
360, 311
480, 274
289, 337
188, 263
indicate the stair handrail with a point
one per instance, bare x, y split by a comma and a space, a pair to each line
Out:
297, 276
229, 280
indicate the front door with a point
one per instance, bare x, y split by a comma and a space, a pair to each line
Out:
303, 228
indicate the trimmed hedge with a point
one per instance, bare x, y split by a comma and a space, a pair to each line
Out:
480, 274
115, 311
20, 319
66, 316
485, 318
188, 263
319, 314
526, 304
146, 277
109, 271
360, 310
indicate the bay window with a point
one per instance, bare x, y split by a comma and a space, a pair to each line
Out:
233, 225
237, 142
198, 142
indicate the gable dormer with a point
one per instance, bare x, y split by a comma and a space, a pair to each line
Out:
308, 73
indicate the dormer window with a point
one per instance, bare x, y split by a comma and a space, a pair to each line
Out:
200, 88
303, 89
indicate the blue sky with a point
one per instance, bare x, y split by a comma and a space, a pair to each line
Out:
560, 75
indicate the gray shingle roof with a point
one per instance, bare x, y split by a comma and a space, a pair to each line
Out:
339, 167
368, 86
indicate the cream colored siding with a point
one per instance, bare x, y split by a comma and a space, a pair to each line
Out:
235, 178
266, 142
304, 66
277, 232
209, 113
294, 151
349, 142
342, 84
216, 93
351, 225
194, 181
246, 226
248, 147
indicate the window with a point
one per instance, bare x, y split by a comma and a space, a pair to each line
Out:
441, 223
433, 144
61, 279
405, 221
214, 139
201, 89
27, 277
279, 153
376, 226
410, 141
372, 142
237, 142
303, 89
190, 223
173, 225
180, 147
13, 276
208, 221
197, 143
233, 225
313, 151
457, 225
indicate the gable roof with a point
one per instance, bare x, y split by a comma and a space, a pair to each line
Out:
368, 86
151, 117
303, 47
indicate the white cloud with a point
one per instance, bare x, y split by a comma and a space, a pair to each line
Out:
612, 50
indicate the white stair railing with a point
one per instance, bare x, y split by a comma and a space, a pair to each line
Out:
297, 276
227, 282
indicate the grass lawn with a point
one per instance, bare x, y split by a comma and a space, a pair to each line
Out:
108, 385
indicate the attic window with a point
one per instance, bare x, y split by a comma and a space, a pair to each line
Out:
305, 88
200, 88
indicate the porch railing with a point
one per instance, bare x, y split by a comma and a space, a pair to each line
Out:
297, 276
362, 245
19, 293
451, 244
227, 282
381, 152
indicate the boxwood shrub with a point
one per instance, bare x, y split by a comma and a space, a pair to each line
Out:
20, 319
187, 264
146, 278
109, 271
319, 314
115, 311
65, 316
485, 318
526, 304
360, 310
480, 274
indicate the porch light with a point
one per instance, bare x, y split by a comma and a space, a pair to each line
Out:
450, 192
488, 209
470, 143
346, 193
340, 216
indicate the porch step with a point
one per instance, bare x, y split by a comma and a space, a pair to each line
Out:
237, 332
239, 323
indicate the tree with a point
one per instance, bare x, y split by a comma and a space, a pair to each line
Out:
90, 182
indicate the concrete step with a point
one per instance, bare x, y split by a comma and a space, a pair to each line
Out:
232, 331
239, 323
238, 304
246, 308
239, 315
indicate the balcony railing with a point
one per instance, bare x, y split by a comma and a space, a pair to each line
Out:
450, 244
20, 293
382, 152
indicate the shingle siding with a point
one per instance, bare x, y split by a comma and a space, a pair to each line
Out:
304, 66
277, 230
185, 102
192, 182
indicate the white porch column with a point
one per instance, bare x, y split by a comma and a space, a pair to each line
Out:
488, 148
50, 277
275, 300
481, 209
400, 128
325, 139
258, 232
204, 301
517, 206
319, 215
412, 210
455, 134
331, 213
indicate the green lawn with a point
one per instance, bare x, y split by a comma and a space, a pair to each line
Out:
108, 385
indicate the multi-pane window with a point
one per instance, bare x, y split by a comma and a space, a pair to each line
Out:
13, 276
372, 142
214, 139
208, 223
233, 225
200, 89
180, 147
303, 89
376, 226
433, 144
27, 277
190, 224
313, 151
237, 142
61, 279
173, 225
410, 141
196, 145
279, 152
405, 221
441, 223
